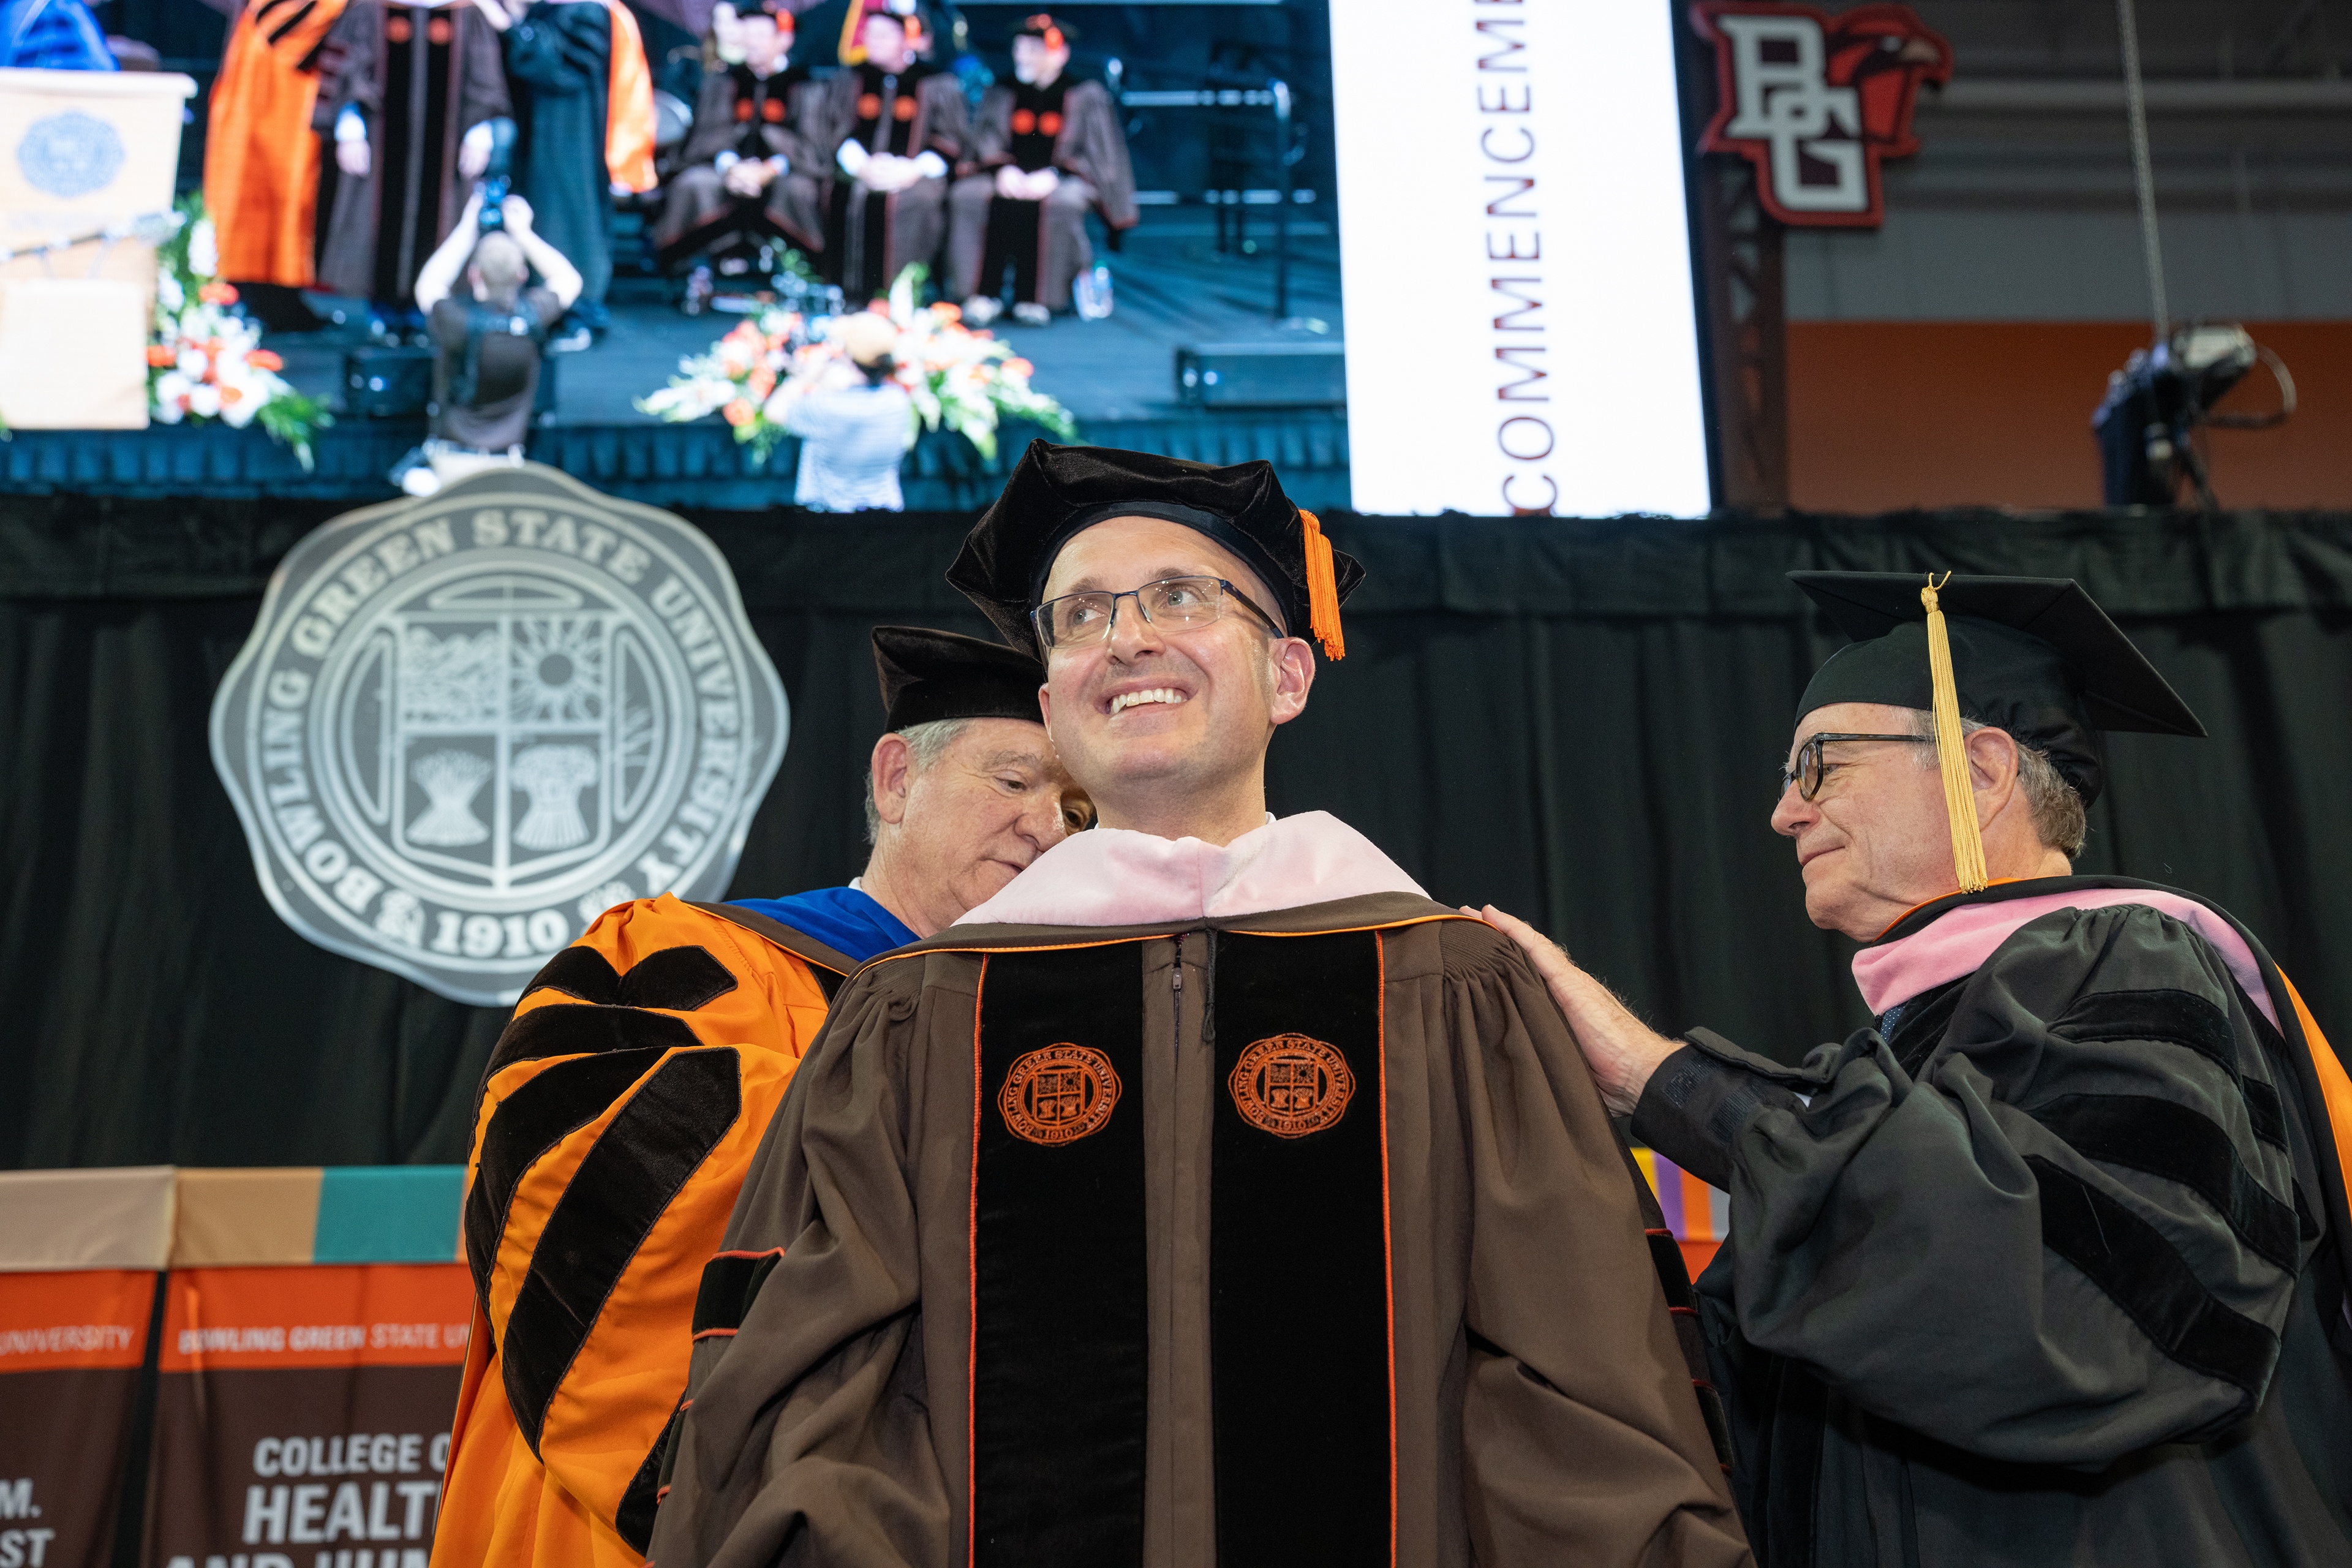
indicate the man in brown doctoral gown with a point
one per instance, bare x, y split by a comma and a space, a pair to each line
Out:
747, 165
407, 116
891, 126
1045, 150
1209, 1195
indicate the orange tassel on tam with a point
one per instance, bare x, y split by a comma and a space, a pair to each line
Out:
1322, 589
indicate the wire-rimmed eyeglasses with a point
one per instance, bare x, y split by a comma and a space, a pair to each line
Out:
1810, 769
1172, 603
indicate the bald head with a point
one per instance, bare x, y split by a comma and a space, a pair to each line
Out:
498, 267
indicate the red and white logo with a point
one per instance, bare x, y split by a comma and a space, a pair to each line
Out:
1815, 101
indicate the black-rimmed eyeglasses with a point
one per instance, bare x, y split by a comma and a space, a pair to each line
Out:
1809, 770
1172, 605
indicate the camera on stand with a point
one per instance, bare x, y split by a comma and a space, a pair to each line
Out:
2147, 425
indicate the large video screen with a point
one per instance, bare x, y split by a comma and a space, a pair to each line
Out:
1421, 258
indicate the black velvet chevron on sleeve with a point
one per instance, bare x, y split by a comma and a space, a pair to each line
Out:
2130, 1260
2166, 1139
680, 979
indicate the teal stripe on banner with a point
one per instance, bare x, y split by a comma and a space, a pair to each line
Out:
389, 1214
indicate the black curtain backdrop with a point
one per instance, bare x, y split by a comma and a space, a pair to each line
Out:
1579, 720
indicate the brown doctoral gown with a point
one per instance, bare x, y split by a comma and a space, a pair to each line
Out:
1089, 152
740, 113
869, 236
422, 78
965, 1313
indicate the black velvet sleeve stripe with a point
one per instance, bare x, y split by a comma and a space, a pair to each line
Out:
635, 1517
578, 972
579, 1029
2265, 1112
525, 1126
656, 1143
293, 21
680, 979
2169, 1140
2130, 1260
731, 1282
2182, 1018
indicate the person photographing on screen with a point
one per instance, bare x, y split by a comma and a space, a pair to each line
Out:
490, 337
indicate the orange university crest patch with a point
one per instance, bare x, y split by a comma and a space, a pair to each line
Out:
1059, 1094
1291, 1085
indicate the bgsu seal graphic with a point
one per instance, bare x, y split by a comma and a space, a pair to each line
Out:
1291, 1086
1058, 1095
465, 726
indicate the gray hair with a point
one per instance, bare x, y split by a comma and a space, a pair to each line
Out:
2056, 807
926, 744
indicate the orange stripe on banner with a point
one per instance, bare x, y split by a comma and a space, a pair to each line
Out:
1699, 1211
362, 1314
77, 1318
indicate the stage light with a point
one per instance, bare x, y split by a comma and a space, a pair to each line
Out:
2147, 423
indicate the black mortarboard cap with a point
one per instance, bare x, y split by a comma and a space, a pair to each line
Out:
927, 675
1055, 491
2034, 655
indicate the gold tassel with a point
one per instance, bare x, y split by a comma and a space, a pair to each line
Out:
1322, 589
1951, 749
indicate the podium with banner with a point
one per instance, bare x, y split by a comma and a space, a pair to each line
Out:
291, 1339
86, 152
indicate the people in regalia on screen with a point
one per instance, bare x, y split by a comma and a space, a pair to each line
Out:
585, 109
749, 170
1046, 149
272, 101
892, 127
408, 114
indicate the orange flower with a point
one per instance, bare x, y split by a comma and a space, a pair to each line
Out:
946, 312
217, 294
159, 356
263, 359
1019, 366
738, 413
763, 382
230, 393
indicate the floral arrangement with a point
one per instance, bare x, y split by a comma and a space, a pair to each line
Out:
738, 378
207, 362
966, 381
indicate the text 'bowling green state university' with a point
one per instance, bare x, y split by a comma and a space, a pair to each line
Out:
465, 726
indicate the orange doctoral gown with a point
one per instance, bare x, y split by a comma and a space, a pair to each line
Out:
622, 1107
261, 153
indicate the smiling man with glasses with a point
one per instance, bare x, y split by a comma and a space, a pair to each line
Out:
2048, 1266
1209, 1195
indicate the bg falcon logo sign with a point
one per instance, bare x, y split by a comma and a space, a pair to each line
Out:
1815, 101
464, 727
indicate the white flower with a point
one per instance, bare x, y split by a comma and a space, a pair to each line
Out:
205, 402
191, 363
168, 293
204, 249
